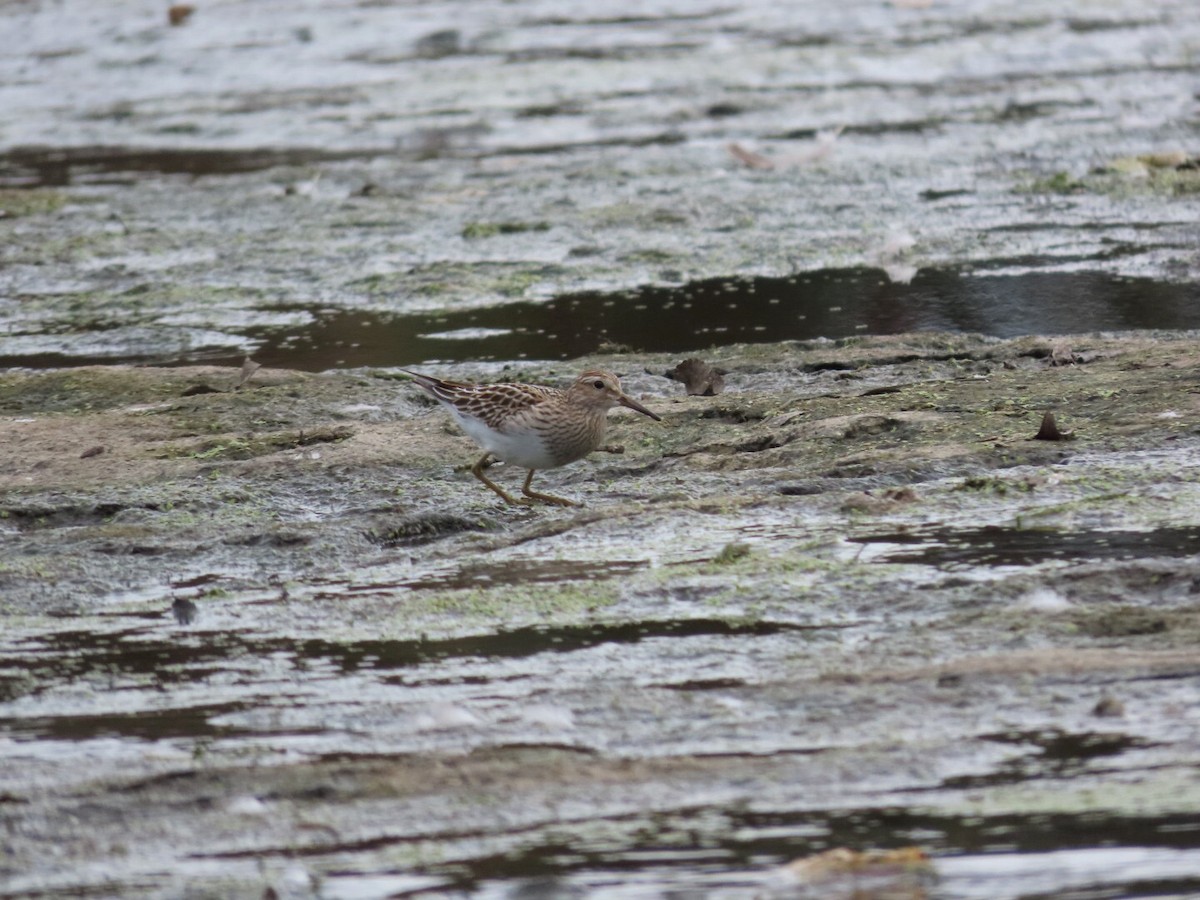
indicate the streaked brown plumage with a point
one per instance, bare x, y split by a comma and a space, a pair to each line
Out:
532, 426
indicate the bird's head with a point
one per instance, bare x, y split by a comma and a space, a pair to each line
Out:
602, 390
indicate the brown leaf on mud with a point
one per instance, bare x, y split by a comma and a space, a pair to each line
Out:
904, 866
1050, 431
698, 377
180, 13
750, 158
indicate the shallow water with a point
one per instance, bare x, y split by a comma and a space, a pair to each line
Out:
30, 167
1003, 546
833, 303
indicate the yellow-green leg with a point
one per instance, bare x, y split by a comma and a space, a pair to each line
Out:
548, 498
477, 471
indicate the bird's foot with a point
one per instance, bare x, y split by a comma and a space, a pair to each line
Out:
550, 498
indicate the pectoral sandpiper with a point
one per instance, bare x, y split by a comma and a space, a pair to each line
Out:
532, 426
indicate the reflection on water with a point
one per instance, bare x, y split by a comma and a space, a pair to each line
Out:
29, 167
831, 303
730, 852
1054, 753
998, 546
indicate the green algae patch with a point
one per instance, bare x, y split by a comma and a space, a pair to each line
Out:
570, 601
255, 445
1149, 174
1055, 183
731, 553
15, 204
83, 390
476, 230
1146, 792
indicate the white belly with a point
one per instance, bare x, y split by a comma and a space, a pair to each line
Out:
524, 449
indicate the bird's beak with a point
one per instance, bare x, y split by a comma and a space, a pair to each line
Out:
626, 400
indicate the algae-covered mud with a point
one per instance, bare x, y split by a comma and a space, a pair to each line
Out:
269, 638
866, 608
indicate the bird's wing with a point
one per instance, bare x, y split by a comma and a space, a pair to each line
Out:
500, 405
493, 404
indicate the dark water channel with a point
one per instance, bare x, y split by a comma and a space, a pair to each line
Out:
831, 303
999, 546
715, 859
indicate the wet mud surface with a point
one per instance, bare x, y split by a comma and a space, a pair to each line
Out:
850, 601
261, 635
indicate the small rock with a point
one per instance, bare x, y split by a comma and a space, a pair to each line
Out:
699, 378
1049, 430
1108, 707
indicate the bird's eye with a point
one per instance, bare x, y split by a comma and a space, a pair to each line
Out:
598, 385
